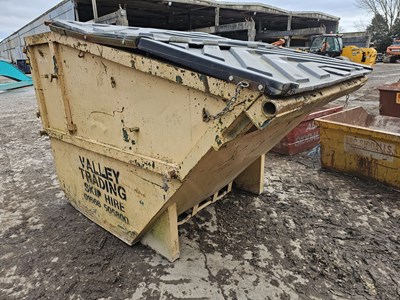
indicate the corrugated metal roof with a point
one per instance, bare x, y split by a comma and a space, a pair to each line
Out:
275, 70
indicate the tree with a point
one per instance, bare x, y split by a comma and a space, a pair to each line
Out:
396, 29
389, 10
361, 25
381, 35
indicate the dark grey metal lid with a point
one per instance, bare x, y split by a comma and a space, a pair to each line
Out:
275, 70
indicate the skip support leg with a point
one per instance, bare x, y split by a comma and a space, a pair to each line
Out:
252, 179
163, 236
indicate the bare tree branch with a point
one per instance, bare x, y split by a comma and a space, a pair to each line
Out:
388, 9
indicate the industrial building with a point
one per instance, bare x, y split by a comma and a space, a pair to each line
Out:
245, 21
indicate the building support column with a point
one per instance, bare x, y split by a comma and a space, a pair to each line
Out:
289, 28
190, 21
251, 32
76, 11
217, 11
260, 27
95, 14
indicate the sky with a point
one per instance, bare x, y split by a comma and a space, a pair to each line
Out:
13, 17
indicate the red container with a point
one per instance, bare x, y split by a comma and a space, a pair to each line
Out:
389, 100
306, 135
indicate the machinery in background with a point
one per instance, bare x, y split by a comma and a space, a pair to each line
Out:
332, 45
12, 72
393, 52
24, 65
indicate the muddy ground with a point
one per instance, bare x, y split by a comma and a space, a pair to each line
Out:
312, 234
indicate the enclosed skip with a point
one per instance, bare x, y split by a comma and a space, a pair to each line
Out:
389, 100
147, 125
356, 142
306, 135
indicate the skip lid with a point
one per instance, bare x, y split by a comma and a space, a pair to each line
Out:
275, 71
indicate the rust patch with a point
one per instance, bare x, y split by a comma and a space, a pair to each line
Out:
125, 135
218, 140
367, 166
113, 83
179, 79
204, 79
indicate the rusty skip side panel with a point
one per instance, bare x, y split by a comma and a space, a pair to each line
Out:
355, 142
389, 100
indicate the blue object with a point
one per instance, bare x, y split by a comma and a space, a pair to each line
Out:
10, 71
315, 152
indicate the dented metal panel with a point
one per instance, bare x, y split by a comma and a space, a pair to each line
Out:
273, 70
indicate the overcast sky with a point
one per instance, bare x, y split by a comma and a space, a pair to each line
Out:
13, 16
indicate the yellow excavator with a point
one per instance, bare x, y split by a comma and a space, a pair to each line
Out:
332, 45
